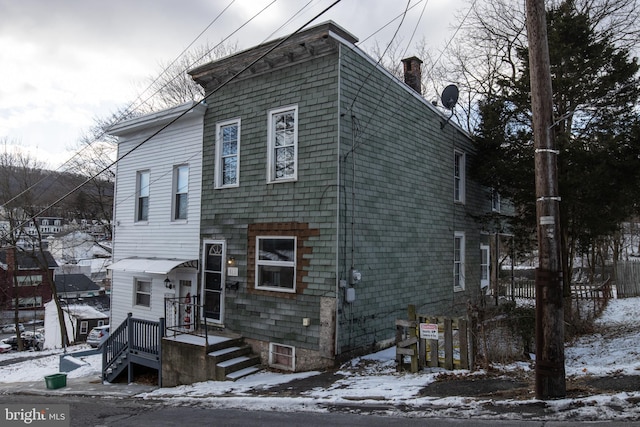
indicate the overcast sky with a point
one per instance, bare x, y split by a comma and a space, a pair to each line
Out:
65, 62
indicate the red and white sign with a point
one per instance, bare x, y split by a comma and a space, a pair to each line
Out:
429, 331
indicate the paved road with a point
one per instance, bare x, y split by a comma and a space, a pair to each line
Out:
107, 412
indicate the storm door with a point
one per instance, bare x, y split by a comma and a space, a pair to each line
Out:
213, 280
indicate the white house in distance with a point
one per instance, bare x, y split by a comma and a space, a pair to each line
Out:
157, 211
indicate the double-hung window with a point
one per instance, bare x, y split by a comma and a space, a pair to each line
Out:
458, 261
276, 263
180, 191
143, 293
282, 157
142, 198
495, 201
227, 154
458, 176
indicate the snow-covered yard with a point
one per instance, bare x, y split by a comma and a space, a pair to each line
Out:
612, 352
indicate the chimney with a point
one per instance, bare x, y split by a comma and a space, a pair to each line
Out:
413, 73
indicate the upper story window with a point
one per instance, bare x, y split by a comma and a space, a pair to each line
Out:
495, 201
485, 263
282, 157
142, 196
57, 223
276, 263
458, 261
180, 191
45, 222
228, 153
458, 176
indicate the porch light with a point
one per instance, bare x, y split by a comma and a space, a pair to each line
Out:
167, 283
231, 261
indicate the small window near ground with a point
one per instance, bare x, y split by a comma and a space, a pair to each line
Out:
143, 293
282, 356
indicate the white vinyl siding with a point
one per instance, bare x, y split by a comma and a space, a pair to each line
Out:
161, 237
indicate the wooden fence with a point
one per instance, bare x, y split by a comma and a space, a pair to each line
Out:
628, 279
452, 349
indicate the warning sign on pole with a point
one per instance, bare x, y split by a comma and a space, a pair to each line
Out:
429, 331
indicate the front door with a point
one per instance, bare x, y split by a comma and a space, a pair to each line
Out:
186, 293
213, 279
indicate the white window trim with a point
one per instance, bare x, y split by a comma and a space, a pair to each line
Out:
218, 172
271, 166
496, 204
138, 196
135, 292
84, 326
484, 283
459, 286
277, 365
459, 181
277, 263
174, 192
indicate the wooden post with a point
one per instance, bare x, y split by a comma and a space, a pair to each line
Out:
412, 334
549, 371
448, 343
464, 343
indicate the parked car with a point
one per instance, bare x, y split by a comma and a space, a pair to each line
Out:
98, 336
4, 347
30, 341
11, 329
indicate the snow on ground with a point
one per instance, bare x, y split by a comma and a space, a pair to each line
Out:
614, 350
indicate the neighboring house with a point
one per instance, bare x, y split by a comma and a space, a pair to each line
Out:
76, 286
157, 211
72, 245
79, 320
34, 275
331, 196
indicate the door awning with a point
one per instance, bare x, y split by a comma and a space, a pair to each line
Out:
152, 265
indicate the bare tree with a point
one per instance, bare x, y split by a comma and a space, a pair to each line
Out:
22, 197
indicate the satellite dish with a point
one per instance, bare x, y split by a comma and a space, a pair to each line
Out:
449, 97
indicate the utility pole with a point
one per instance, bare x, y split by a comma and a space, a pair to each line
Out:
549, 371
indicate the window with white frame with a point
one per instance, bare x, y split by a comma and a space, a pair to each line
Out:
458, 261
84, 327
143, 292
180, 191
276, 263
282, 157
495, 200
228, 154
458, 176
33, 280
485, 270
282, 356
142, 196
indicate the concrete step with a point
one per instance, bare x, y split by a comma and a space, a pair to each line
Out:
230, 353
233, 365
232, 376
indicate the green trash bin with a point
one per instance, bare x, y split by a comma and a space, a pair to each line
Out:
56, 381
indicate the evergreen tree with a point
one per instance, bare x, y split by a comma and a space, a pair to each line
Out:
595, 98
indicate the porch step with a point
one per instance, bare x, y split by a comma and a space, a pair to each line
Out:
223, 369
230, 353
242, 373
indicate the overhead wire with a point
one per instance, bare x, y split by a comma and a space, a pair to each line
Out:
124, 113
161, 129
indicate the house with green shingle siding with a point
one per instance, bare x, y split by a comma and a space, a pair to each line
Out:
333, 196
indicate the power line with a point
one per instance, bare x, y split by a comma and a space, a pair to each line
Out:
230, 79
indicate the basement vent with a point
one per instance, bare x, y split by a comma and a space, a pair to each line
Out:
282, 356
